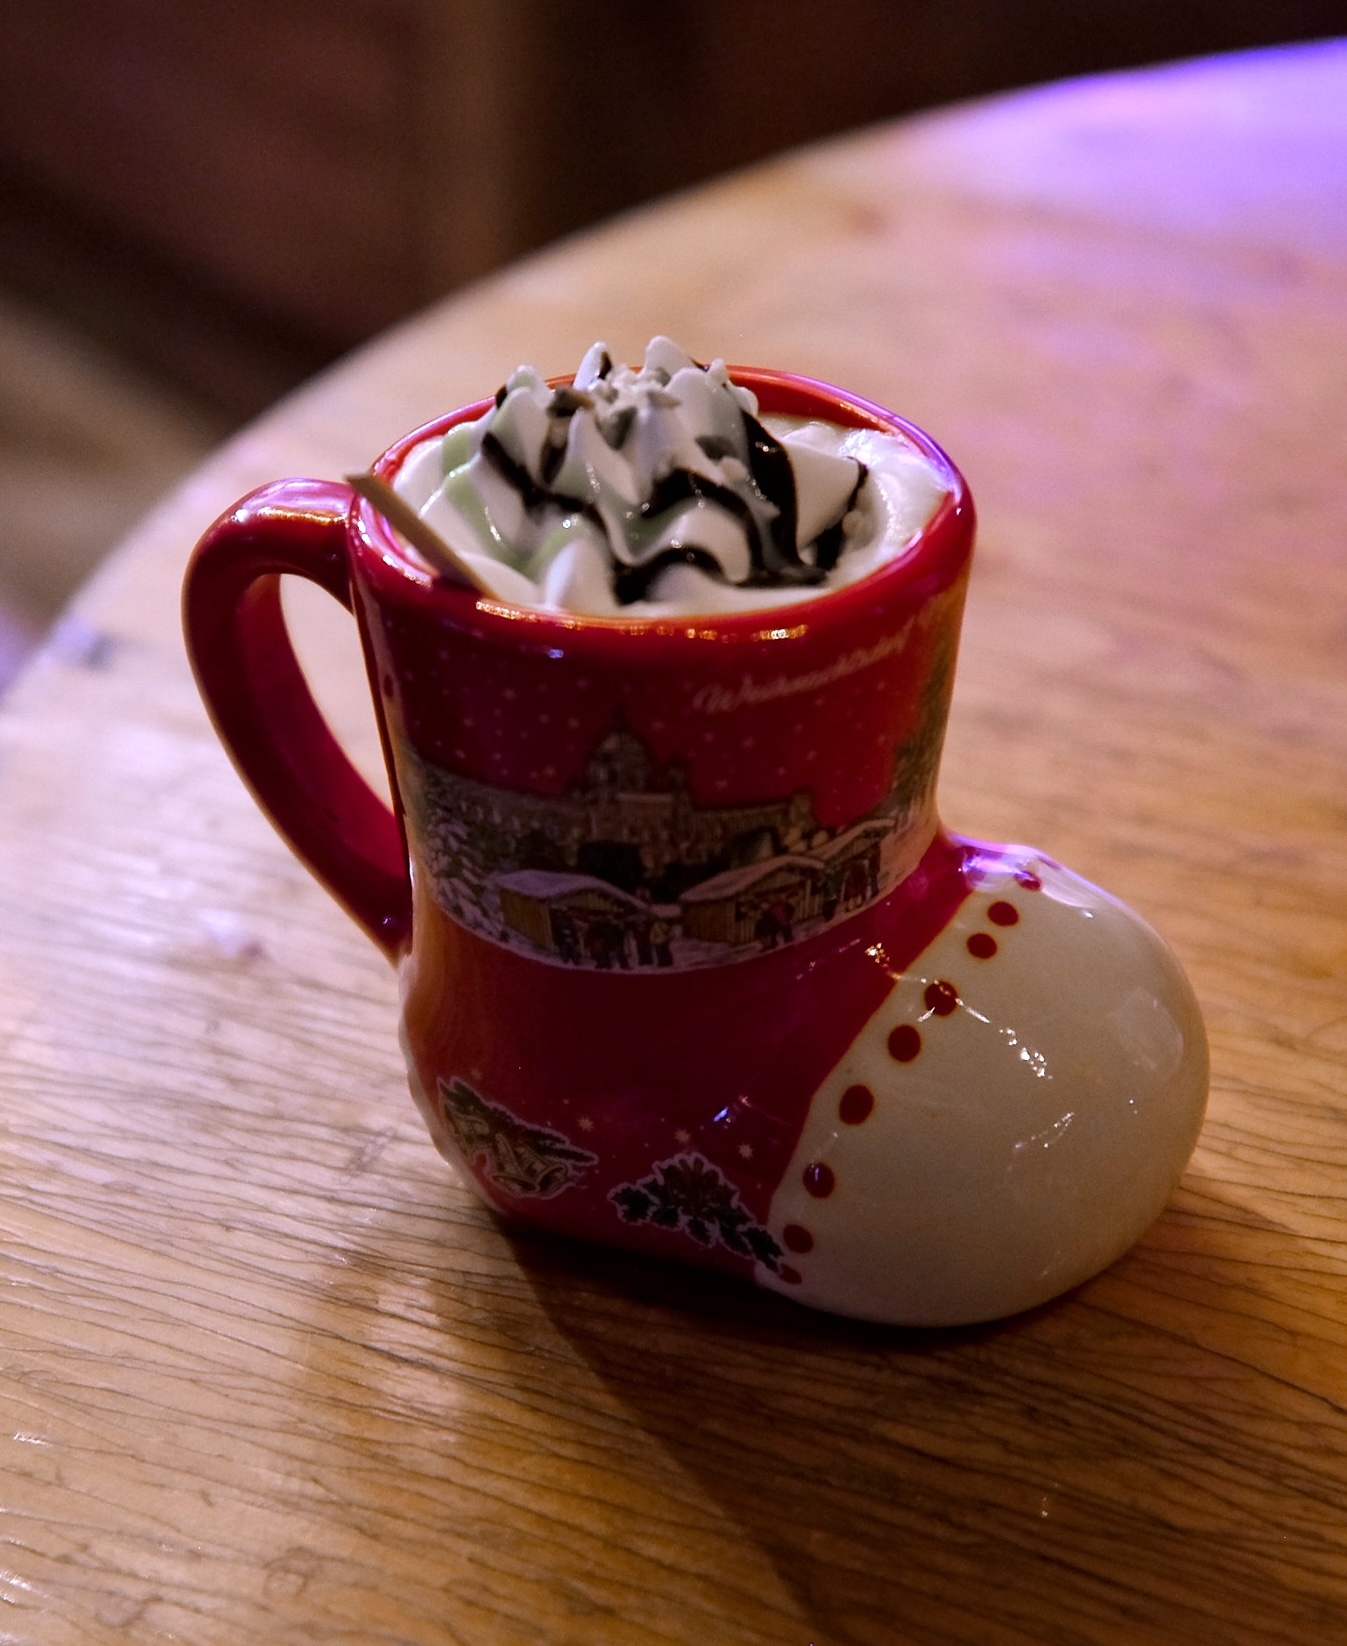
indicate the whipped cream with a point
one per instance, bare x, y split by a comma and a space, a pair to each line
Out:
660, 492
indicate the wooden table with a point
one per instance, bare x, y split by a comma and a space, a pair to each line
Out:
270, 1374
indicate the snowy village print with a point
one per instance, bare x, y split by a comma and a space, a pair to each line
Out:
627, 873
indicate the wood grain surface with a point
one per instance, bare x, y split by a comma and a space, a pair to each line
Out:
268, 1373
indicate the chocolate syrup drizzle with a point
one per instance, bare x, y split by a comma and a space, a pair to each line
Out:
830, 542
774, 558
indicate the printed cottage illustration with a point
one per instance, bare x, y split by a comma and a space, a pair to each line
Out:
627, 872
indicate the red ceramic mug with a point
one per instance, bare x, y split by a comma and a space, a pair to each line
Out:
653, 886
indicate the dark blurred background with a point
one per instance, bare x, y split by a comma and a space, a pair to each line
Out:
200, 204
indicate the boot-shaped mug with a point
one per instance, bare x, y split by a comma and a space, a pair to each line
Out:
688, 963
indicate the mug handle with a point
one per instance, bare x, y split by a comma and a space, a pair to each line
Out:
261, 705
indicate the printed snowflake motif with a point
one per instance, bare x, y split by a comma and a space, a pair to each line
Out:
521, 1159
691, 1196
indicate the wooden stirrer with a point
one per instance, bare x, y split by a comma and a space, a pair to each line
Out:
403, 518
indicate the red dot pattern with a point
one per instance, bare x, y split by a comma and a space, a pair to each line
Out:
857, 1102
941, 998
856, 1105
792, 1277
819, 1180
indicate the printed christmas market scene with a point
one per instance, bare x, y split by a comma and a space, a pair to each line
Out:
627, 873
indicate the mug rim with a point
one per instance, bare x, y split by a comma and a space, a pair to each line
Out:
933, 558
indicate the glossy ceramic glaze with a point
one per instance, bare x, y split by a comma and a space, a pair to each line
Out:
1012, 1117
687, 962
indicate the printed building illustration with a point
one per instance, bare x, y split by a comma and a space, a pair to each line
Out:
627, 872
